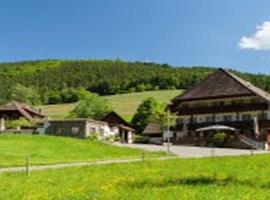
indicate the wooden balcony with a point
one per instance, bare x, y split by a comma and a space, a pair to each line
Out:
241, 125
222, 109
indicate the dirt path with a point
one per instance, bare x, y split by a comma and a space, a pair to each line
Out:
77, 164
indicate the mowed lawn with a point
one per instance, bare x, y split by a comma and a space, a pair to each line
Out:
53, 149
124, 104
234, 178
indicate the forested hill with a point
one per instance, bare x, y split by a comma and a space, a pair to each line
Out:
53, 79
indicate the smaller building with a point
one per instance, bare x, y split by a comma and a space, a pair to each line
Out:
81, 128
112, 125
154, 131
120, 126
14, 110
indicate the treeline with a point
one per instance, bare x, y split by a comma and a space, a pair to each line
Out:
58, 81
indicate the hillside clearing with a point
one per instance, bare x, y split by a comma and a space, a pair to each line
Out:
54, 149
243, 177
124, 104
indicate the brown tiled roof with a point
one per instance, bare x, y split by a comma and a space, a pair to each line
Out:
220, 84
152, 128
114, 118
23, 108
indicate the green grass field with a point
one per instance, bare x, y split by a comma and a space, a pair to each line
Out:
234, 178
124, 104
54, 149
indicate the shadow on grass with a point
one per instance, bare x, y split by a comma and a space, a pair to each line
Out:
197, 181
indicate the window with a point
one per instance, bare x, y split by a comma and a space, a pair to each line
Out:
246, 117
227, 118
194, 119
92, 130
222, 103
180, 120
209, 119
74, 130
263, 116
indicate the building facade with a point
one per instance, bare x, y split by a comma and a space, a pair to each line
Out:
226, 100
84, 128
120, 126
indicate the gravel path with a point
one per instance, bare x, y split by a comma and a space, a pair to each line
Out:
194, 152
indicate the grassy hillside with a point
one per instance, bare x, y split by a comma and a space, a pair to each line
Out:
55, 149
124, 104
234, 178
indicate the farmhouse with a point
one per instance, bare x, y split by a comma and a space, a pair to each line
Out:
15, 110
111, 125
223, 102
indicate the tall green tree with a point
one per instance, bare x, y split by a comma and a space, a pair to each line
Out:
92, 106
24, 94
148, 111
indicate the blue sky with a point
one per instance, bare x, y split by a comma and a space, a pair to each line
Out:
176, 32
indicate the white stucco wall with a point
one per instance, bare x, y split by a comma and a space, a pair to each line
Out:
101, 128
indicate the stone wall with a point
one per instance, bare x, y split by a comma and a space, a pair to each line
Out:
73, 128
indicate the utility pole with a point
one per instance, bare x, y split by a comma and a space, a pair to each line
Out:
168, 131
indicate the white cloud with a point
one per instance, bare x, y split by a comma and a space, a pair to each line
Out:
259, 40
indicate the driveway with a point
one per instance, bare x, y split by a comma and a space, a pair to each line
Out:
194, 152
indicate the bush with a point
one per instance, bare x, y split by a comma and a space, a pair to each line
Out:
21, 122
94, 136
69, 95
219, 139
93, 106
113, 138
54, 98
141, 139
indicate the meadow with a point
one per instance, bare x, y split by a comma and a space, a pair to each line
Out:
234, 178
55, 149
124, 104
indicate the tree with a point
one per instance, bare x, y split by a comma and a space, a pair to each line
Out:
24, 94
92, 106
54, 98
148, 111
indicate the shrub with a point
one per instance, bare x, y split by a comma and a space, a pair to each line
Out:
21, 122
94, 136
54, 98
113, 138
69, 95
93, 106
219, 139
141, 139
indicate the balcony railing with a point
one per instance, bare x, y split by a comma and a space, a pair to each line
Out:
235, 124
222, 108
